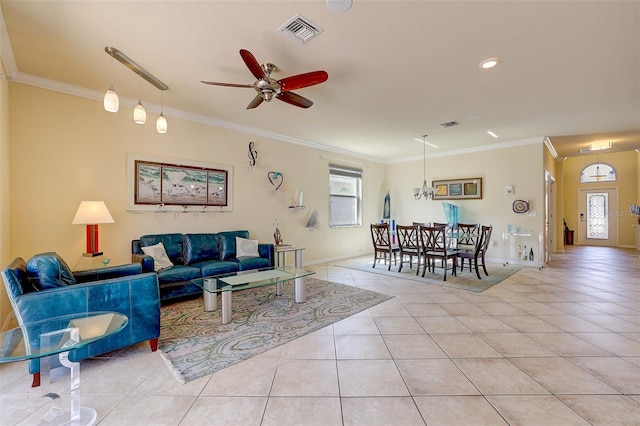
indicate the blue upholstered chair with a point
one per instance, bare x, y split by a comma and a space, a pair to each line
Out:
45, 287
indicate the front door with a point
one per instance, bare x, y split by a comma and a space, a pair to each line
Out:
597, 221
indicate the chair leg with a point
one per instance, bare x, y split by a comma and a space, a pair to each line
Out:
483, 266
36, 380
478, 271
154, 344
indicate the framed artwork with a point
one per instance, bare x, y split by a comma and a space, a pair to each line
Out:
156, 184
457, 189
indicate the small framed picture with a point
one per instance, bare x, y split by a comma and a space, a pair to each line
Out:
457, 189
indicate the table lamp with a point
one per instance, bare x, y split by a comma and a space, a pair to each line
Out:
91, 213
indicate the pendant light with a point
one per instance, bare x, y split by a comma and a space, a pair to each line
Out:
425, 191
139, 113
161, 122
111, 100
598, 175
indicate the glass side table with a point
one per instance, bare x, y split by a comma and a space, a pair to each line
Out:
58, 336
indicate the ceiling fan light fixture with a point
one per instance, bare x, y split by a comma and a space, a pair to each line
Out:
489, 63
139, 114
111, 100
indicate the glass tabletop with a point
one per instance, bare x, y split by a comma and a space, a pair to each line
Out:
23, 343
242, 280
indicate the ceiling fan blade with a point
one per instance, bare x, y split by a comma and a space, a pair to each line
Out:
303, 80
255, 102
252, 64
214, 83
294, 99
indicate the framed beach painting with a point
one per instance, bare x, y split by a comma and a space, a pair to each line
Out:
163, 184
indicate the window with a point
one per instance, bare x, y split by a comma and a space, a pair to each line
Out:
345, 196
598, 172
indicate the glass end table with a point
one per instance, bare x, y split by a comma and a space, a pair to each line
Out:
58, 336
226, 284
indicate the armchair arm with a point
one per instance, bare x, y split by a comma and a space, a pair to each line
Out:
145, 260
115, 294
267, 251
108, 272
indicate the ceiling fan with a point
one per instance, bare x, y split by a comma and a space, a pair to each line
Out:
268, 88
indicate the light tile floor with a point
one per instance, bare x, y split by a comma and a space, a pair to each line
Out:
560, 346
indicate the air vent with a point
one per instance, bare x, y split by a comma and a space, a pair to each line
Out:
300, 29
450, 124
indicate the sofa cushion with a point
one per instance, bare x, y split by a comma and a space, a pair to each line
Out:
216, 267
48, 270
159, 254
172, 245
246, 247
228, 243
246, 263
177, 274
200, 247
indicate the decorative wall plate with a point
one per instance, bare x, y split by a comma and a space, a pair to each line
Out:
520, 206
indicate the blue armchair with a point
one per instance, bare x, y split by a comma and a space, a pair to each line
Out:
45, 287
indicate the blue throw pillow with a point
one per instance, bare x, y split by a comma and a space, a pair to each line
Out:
48, 270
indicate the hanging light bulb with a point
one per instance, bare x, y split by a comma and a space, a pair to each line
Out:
139, 114
161, 122
111, 100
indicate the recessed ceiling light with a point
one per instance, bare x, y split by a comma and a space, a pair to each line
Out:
491, 133
339, 5
489, 63
425, 142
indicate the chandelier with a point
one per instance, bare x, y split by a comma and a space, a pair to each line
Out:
426, 191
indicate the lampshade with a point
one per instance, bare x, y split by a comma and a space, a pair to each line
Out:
92, 213
139, 114
161, 124
111, 100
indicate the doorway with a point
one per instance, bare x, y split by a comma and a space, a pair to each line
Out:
597, 221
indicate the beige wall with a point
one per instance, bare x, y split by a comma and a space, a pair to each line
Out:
520, 167
626, 166
66, 149
5, 229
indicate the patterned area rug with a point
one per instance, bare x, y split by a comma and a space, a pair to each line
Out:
464, 280
194, 343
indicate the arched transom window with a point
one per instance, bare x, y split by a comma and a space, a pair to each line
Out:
598, 172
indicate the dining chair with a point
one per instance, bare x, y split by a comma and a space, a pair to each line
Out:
485, 235
409, 243
435, 246
468, 241
382, 245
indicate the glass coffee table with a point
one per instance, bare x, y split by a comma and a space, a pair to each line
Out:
58, 336
226, 284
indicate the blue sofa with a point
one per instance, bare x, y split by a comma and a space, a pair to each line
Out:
45, 287
196, 256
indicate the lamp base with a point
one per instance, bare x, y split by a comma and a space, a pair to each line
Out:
96, 254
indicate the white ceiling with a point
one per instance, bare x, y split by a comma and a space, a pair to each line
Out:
397, 69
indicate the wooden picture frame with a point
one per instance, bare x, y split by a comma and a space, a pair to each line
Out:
457, 189
163, 184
